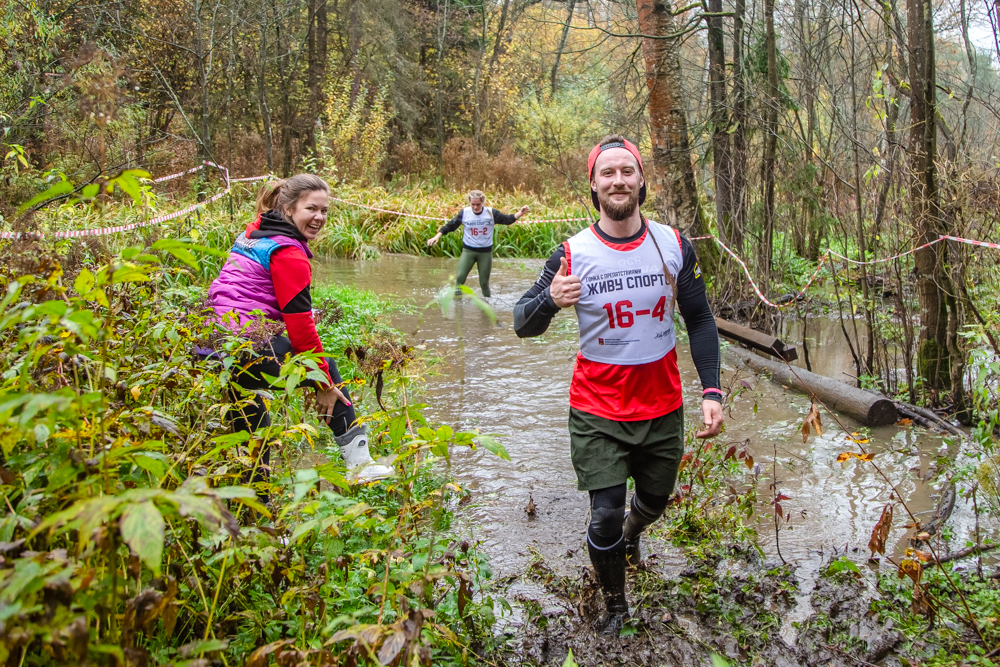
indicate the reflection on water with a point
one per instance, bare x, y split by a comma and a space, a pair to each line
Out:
491, 380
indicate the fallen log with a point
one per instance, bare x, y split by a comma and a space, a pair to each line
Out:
868, 408
756, 340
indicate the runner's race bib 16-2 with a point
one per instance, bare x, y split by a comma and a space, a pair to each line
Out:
478, 228
626, 301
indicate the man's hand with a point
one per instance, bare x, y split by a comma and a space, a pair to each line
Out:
712, 413
565, 291
434, 239
523, 212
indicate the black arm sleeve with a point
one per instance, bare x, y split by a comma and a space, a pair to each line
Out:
535, 310
503, 218
692, 301
452, 225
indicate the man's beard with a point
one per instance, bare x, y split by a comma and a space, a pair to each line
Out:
615, 211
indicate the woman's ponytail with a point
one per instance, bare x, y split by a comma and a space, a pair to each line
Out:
267, 196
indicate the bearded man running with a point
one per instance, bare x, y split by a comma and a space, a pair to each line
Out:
623, 275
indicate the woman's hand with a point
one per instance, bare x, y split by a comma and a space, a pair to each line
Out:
326, 400
434, 239
523, 212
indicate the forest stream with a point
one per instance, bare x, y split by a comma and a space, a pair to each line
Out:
487, 378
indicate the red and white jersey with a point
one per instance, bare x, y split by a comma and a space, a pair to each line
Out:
625, 308
478, 228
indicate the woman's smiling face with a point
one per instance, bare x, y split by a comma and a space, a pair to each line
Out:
310, 211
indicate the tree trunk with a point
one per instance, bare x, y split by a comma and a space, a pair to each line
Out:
571, 6
316, 65
265, 113
477, 82
354, 47
722, 171
770, 140
932, 346
737, 210
439, 88
205, 139
498, 46
672, 173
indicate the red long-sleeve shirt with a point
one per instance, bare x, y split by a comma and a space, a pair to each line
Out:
292, 275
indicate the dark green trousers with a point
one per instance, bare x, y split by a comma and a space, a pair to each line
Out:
485, 262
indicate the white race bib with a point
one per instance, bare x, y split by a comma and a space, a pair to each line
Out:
478, 232
625, 308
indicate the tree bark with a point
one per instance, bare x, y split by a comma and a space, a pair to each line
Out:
316, 65
932, 346
722, 171
498, 45
439, 88
571, 6
737, 209
205, 140
265, 112
672, 173
770, 139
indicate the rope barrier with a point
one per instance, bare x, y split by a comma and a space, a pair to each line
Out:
250, 179
829, 252
428, 217
78, 233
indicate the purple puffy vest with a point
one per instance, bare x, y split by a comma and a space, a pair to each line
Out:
244, 284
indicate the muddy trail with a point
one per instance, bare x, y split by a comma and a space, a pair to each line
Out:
531, 521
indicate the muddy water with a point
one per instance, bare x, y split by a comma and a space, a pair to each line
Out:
489, 379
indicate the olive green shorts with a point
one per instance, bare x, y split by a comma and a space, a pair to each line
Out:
606, 452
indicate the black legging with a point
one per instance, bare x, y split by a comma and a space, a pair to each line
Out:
251, 377
254, 414
607, 512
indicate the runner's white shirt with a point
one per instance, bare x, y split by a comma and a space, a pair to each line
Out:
478, 228
625, 308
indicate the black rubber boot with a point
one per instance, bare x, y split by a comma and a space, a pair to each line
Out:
609, 565
637, 519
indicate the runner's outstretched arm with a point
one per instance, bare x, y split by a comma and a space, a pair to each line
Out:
503, 218
451, 225
535, 310
703, 334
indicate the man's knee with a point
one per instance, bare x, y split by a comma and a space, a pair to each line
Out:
607, 514
650, 505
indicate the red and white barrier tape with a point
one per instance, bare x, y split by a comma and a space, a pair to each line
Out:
760, 295
77, 233
170, 177
829, 253
249, 179
428, 217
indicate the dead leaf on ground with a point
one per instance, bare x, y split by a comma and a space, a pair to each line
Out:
881, 531
905, 421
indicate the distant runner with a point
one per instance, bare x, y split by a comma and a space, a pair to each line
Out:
477, 237
623, 275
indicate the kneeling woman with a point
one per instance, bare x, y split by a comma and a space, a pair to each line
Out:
268, 271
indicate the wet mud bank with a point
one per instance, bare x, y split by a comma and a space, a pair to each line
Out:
730, 607
723, 592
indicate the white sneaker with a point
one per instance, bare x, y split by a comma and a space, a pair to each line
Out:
358, 460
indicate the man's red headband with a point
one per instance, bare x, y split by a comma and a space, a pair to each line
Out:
597, 150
